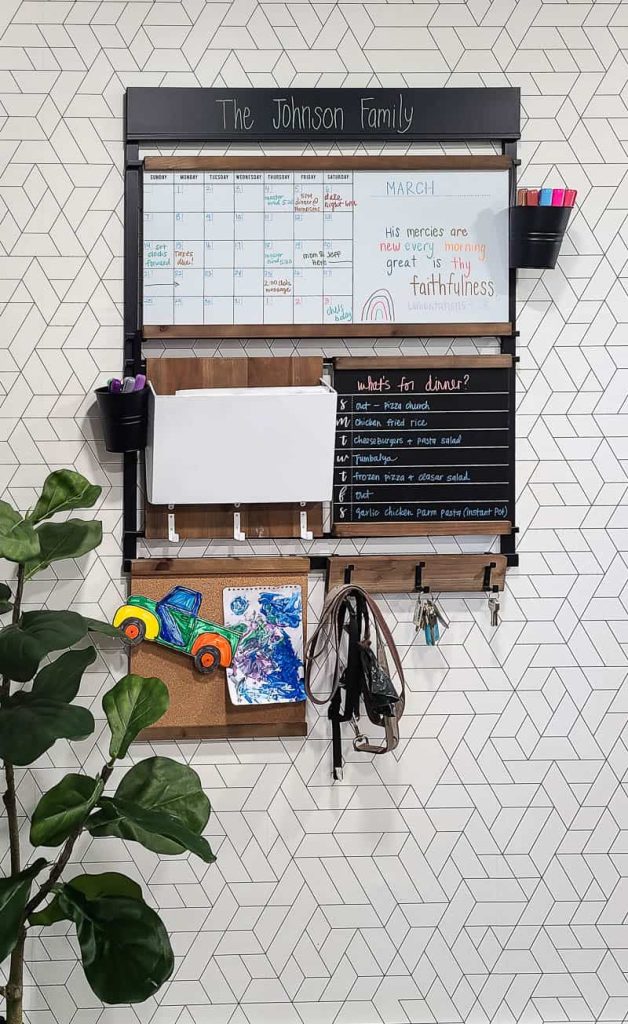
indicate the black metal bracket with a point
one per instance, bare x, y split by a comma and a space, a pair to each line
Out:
348, 573
487, 583
418, 579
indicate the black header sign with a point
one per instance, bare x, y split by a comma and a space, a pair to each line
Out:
422, 446
276, 115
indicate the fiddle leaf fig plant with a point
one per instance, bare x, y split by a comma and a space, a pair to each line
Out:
159, 803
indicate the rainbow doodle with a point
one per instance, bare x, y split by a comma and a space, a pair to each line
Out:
379, 307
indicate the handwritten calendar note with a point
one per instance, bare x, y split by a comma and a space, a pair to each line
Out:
325, 247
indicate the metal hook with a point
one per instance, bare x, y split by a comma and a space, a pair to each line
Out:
418, 579
237, 532
173, 536
305, 533
487, 583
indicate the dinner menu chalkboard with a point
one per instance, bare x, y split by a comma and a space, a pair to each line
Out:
423, 445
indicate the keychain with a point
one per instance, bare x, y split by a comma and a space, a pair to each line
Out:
493, 607
429, 618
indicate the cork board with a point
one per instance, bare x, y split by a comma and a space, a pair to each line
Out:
199, 705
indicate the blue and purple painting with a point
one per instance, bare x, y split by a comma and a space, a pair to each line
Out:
268, 664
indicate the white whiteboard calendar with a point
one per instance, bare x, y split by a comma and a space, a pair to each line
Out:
225, 247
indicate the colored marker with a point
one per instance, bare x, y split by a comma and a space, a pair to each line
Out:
128, 384
533, 197
545, 197
558, 197
570, 196
140, 382
115, 385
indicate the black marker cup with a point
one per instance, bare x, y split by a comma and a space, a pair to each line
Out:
124, 418
536, 235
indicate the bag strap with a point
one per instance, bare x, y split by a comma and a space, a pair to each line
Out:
350, 682
327, 638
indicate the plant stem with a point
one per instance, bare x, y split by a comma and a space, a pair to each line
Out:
10, 802
61, 862
5, 687
15, 984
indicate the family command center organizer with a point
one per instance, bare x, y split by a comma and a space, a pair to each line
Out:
372, 246
320, 247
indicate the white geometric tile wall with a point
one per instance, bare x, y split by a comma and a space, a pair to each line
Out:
480, 873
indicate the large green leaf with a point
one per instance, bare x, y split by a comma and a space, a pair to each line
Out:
63, 808
5, 599
109, 883
22, 646
61, 679
30, 724
160, 804
96, 626
51, 914
63, 540
130, 706
20, 654
125, 948
14, 893
156, 830
18, 539
54, 630
64, 490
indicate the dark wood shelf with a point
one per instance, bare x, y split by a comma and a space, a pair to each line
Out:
334, 163
491, 528
380, 330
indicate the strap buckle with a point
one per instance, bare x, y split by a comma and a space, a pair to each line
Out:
391, 737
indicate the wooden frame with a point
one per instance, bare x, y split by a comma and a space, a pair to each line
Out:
420, 362
353, 330
334, 163
260, 565
200, 707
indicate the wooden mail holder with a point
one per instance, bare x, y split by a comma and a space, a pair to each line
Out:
256, 520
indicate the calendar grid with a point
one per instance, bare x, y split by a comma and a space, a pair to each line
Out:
194, 264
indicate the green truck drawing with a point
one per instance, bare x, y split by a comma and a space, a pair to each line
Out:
174, 622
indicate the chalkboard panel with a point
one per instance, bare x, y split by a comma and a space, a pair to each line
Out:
421, 443
308, 115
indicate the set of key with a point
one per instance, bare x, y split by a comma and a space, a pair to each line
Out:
429, 617
493, 607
